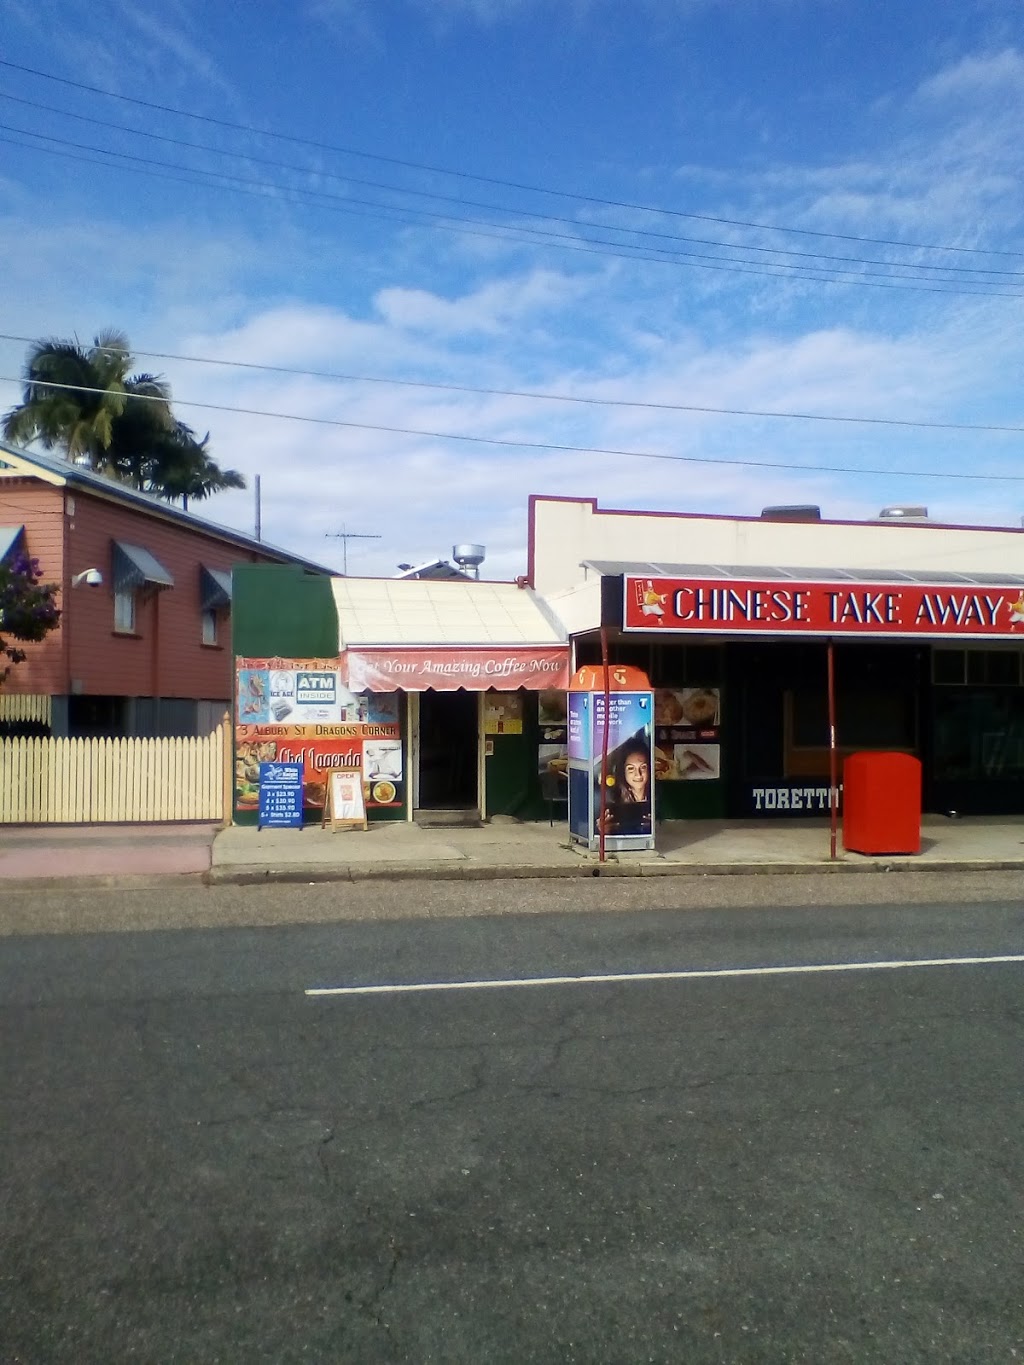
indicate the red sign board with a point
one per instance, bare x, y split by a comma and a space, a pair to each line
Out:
446, 669
776, 607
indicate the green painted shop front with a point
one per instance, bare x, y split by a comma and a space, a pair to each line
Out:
492, 751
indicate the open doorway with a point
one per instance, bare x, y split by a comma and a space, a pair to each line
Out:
449, 744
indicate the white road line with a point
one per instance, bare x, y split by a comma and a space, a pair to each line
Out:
617, 978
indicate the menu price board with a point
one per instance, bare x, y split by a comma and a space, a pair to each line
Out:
280, 796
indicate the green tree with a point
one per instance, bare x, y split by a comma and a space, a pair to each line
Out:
28, 608
87, 403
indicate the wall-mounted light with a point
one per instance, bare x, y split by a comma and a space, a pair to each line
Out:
91, 577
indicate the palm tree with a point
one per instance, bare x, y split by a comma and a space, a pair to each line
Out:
182, 468
86, 402
72, 395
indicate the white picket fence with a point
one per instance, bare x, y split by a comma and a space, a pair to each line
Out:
94, 781
15, 706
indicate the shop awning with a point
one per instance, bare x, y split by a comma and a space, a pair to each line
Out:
825, 602
136, 568
421, 633
10, 537
214, 589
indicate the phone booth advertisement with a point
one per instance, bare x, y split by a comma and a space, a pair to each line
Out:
628, 806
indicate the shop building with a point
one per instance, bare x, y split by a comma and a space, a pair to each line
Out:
733, 619
438, 692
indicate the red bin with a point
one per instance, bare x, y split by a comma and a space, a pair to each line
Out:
882, 803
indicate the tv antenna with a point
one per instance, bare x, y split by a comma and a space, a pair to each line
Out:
345, 536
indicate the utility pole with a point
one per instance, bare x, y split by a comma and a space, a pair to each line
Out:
345, 536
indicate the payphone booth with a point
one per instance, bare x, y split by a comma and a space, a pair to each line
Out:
611, 751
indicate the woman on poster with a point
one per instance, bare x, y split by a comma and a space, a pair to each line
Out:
629, 806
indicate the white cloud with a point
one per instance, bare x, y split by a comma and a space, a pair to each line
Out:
490, 308
976, 77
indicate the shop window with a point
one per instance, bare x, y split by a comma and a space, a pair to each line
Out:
124, 613
979, 735
949, 666
686, 665
210, 627
976, 667
992, 666
864, 720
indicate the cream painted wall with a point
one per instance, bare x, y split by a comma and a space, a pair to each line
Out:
567, 533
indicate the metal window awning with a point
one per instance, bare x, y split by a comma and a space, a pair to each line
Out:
214, 589
136, 568
10, 538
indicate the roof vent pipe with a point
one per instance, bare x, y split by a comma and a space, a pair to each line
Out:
469, 558
903, 512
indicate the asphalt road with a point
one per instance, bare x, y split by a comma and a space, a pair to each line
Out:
201, 1162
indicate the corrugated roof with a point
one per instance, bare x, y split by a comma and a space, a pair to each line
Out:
56, 470
415, 611
788, 573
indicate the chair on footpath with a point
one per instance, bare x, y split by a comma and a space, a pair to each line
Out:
554, 788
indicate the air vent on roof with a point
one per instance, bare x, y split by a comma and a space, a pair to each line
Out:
469, 558
796, 513
903, 512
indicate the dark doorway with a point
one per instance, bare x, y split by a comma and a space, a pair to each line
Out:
449, 739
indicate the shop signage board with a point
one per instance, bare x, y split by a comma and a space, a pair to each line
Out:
775, 607
364, 736
280, 796
446, 669
629, 770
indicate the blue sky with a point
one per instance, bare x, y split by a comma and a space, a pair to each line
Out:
544, 197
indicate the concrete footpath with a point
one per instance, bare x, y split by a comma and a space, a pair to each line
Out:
503, 849
507, 848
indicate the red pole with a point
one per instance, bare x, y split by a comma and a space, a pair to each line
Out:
604, 747
833, 798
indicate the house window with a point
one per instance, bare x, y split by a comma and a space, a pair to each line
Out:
209, 627
124, 612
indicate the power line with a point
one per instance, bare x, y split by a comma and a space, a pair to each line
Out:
492, 180
461, 200
595, 246
559, 447
543, 396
